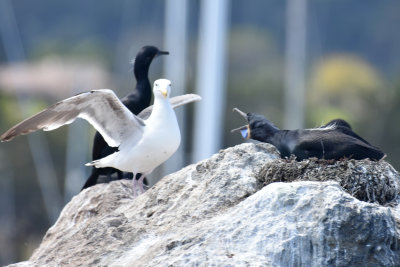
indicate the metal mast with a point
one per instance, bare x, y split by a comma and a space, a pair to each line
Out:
296, 31
175, 41
210, 78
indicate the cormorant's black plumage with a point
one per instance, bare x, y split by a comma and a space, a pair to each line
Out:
344, 127
136, 101
335, 140
337, 122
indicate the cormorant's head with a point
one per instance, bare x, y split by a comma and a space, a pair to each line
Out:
143, 59
148, 53
258, 127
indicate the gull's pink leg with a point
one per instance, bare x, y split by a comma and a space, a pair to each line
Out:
140, 182
135, 186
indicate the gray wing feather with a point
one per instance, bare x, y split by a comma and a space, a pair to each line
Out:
176, 101
101, 108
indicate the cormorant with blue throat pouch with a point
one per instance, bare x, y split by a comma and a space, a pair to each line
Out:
335, 140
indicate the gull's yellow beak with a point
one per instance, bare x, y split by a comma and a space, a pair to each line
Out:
164, 93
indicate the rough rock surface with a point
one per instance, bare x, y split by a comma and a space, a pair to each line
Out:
219, 213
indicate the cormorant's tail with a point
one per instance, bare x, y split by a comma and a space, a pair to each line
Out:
92, 179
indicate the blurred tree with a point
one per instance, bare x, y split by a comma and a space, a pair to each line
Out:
343, 86
345, 73
8, 106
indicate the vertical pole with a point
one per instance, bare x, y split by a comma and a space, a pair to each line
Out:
210, 78
296, 31
175, 41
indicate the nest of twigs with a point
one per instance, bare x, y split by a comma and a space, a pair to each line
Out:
366, 180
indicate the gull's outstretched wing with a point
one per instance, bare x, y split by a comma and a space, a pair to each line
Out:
176, 101
101, 108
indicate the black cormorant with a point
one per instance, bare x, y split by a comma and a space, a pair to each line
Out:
335, 140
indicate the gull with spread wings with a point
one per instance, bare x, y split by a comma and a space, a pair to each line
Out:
144, 141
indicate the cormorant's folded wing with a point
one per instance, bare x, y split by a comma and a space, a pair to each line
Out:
334, 145
344, 127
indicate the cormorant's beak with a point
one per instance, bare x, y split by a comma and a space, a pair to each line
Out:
159, 53
243, 114
244, 130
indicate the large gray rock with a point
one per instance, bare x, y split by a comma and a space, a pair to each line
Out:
219, 212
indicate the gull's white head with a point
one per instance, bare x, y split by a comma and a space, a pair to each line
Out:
162, 88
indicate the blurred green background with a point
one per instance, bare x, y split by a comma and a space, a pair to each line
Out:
352, 72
